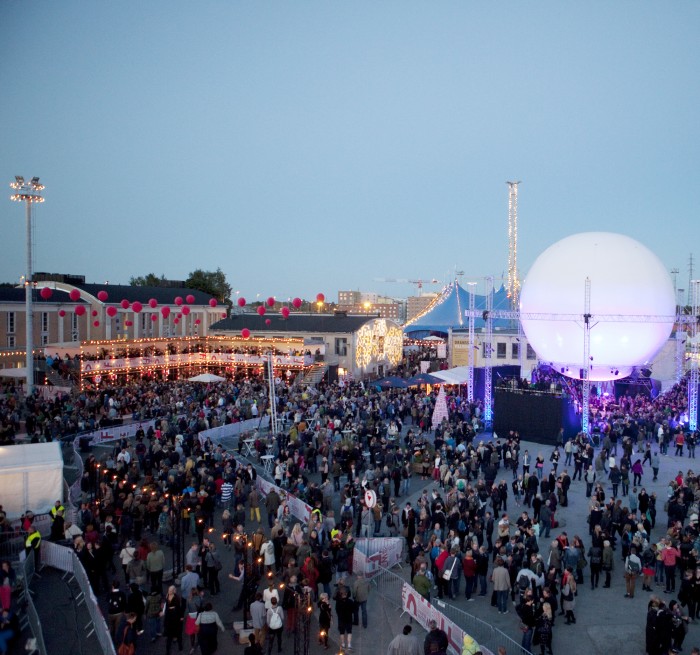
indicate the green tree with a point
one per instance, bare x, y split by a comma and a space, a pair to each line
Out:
211, 282
149, 280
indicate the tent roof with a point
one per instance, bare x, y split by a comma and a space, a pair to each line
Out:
447, 311
25, 457
456, 375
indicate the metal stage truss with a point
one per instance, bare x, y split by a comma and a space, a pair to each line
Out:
587, 321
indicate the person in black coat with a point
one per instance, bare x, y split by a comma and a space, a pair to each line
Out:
173, 619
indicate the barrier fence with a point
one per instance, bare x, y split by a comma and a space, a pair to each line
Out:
403, 598
64, 559
29, 618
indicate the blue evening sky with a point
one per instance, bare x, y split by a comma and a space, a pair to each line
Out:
316, 146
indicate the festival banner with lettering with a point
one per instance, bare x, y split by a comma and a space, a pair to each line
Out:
372, 555
297, 507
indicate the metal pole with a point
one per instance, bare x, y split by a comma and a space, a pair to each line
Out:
586, 386
29, 319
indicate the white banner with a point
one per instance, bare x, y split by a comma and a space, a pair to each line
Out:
232, 429
423, 612
95, 366
371, 555
297, 507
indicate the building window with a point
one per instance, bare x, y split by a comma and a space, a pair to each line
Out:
514, 350
341, 346
11, 343
530, 352
44, 321
44, 339
500, 351
11, 322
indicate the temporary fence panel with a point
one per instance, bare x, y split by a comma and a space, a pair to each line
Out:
297, 507
233, 429
31, 618
370, 556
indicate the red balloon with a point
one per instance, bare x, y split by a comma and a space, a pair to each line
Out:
128, 323
270, 302
102, 296
94, 312
165, 311
267, 321
46, 293
124, 303
241, 302
320, 297
296, 302
154, 317
285, 312
197, 321
223, 314
245, 333
74, 295
153, 303
261, 310
80, 310
96, 323
111, 311
189, 298
176, 321
213, 302
137, 307
185, 310
61, 312
178, 301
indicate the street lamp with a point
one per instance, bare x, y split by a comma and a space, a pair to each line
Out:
28, 193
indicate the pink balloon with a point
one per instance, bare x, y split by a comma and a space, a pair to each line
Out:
189, 298
261, 310
46, 293
320, 297
176, 321
270, 302
111, 311
178, 301
179, 315
137, 307
296, 302
185, 310
245, 333
125, 304
61, 312
128, 323
96, 323
74, 295
165, 311
197, 321
102, 296
213, 302
285, 312
80, 310
153, 303
267, 321
94, 312
241, 302
223, 314
154, 317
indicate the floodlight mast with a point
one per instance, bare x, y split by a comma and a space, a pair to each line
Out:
488, 353
586, 369
29, 193
471, 345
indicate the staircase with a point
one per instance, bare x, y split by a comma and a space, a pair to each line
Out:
57, 380
315, 374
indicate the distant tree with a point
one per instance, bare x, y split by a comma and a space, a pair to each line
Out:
149, 280
212, 282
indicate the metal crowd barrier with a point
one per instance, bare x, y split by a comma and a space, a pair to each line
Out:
64, 559
29, 618
389, 586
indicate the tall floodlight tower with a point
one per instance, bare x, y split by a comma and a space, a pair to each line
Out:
28, 193
694, 377
513, 288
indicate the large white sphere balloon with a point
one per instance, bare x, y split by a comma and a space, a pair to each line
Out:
626, 279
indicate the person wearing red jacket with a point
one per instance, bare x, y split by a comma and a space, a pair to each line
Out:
469, 569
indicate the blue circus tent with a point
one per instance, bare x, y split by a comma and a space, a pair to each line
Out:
447, 311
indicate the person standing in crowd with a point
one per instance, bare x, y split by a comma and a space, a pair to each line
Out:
405, 643
436, 639
275, 623
173, 618
325, 618
209, 624
360, 593
155, 563
344, 608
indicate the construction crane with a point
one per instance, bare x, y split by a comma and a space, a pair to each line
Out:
419, 283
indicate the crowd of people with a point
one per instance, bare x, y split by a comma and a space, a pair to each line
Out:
341, 441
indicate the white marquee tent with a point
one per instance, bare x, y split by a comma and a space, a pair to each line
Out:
31, 477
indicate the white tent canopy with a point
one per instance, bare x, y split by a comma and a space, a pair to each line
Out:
31, 477
206, 377
456, 375
20, 372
